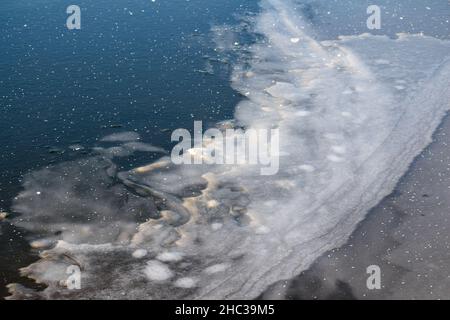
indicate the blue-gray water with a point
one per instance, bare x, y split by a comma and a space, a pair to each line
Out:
133, 66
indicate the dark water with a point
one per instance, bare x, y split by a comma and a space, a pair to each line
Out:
132, 67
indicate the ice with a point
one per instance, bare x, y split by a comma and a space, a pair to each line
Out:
286, 91
269, 232
157, 271
335, 158
216, 268
170, 256
307, 168
185, 283
339, 149
216, 226
139, 253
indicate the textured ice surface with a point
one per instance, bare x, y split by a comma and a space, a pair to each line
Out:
352, 115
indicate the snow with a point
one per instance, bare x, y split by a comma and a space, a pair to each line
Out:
157, 271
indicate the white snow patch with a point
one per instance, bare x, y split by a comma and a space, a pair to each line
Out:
170, 256
334, 158
303, 113
220, 267
307, 168
216, 226
346, 114
382, 61
157, 271
262, 230
185, 283
339, 149
139, 253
